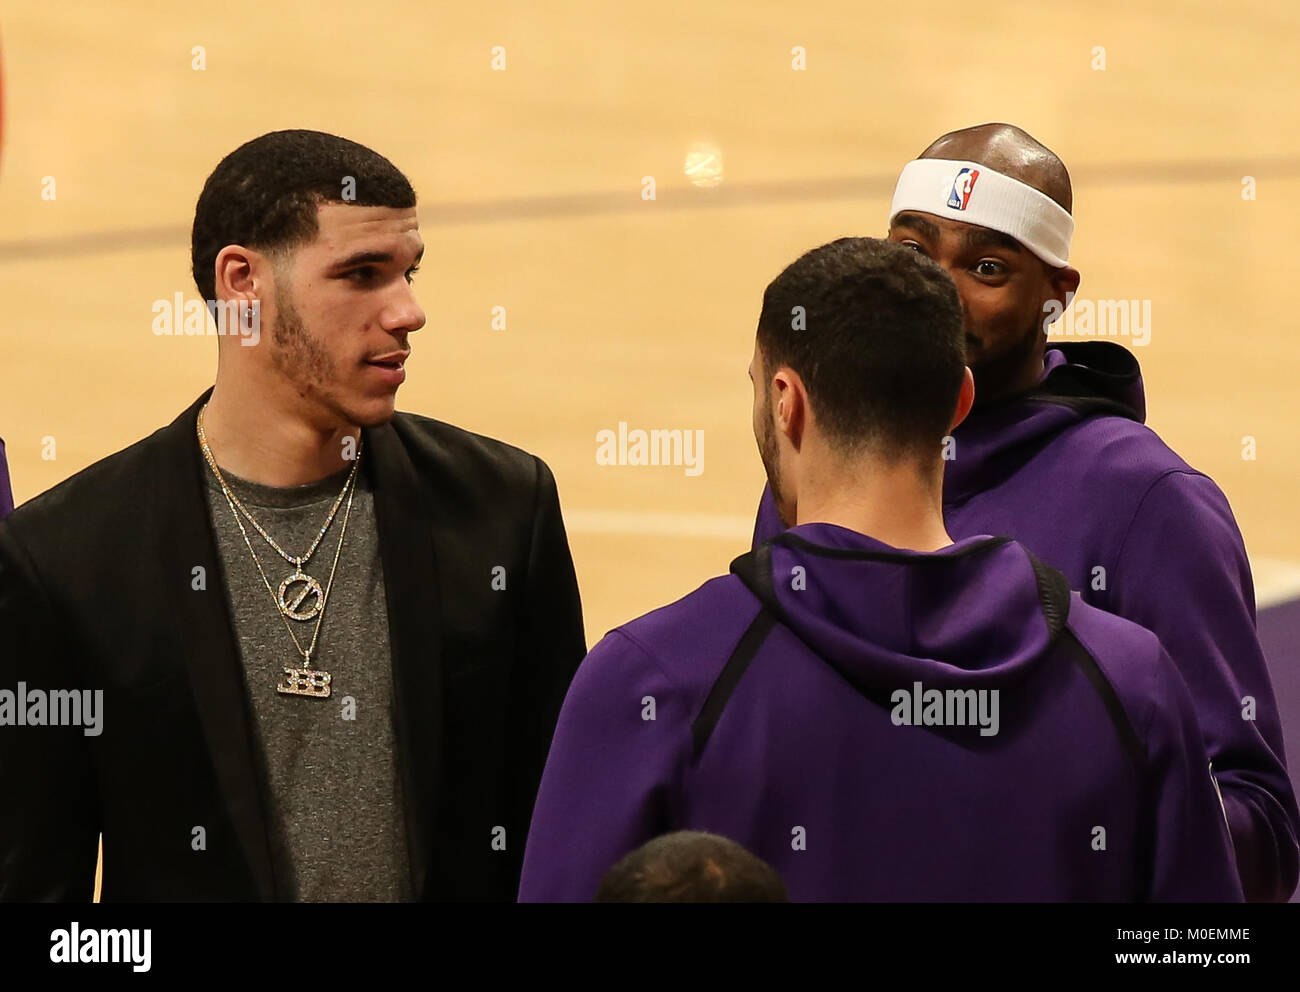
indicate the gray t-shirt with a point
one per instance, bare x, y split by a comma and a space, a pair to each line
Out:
337, 814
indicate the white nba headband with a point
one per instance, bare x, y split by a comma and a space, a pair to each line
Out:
975, 194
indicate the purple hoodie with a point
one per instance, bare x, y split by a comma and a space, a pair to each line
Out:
1070, 471
791, 706
6, 494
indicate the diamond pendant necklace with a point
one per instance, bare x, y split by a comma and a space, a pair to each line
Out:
304, 681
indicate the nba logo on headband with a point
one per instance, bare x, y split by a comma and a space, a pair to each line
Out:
942, 186
962, 184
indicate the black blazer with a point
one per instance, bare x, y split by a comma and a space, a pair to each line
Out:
96, 592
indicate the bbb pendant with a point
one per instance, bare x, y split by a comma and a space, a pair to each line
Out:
301, 596
304, 682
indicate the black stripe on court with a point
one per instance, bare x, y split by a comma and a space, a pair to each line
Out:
732, 672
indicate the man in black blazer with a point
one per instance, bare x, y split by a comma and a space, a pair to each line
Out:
295, 645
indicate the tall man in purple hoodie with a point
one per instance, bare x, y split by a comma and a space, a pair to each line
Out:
876, 711
1055, 454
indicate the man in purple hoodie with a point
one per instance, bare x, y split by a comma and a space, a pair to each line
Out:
1055, 454
874, 710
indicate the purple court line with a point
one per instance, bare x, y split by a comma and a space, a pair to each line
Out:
611, 203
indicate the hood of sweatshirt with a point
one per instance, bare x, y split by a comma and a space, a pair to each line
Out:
1081, 380
981, 613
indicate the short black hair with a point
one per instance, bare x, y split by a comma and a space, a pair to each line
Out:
690, 866
265, 193
874, 329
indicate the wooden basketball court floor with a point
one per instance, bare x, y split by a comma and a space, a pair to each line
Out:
642, 311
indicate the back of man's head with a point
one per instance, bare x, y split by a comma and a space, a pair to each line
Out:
689, 866
874, 330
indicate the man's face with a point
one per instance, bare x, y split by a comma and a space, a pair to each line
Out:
1002, 287
343, 308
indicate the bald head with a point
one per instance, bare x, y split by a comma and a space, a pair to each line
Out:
1011, 151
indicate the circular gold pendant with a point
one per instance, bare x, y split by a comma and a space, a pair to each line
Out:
299, 589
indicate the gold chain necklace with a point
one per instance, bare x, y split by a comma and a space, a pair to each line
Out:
303, 681
298, 581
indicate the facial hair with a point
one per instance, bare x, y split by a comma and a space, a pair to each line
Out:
997, 374
770, 452
298, 355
